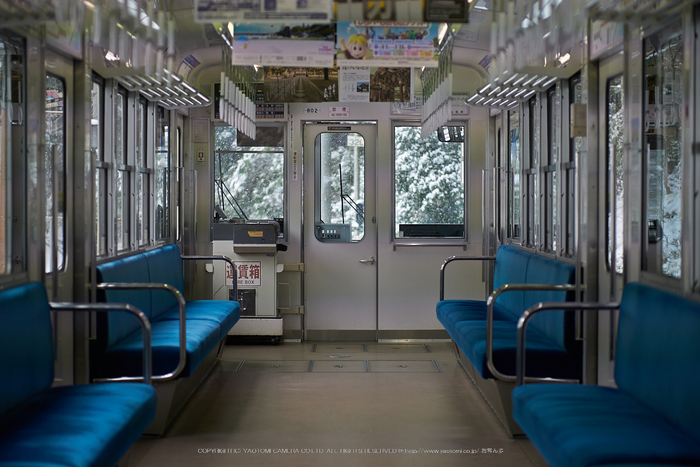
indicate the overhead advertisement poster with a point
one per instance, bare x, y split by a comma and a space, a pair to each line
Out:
369, 84
233, 11
387, 44
280, 45
283, 84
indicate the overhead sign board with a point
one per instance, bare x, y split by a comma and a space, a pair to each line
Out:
238, 11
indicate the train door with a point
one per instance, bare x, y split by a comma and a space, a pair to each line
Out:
58, 215
340, 233
611, 115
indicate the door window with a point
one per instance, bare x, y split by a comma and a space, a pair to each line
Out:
340, 187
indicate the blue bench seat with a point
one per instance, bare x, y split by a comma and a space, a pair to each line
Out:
117, 349
551, 347
40, 425
650, 417
544, 355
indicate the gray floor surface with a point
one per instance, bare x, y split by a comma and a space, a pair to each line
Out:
336, 404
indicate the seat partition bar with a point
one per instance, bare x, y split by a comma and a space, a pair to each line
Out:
458, 258
538, 308
181, 314
489, 323
124, 308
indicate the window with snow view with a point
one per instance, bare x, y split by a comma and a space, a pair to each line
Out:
429, 185
249, 174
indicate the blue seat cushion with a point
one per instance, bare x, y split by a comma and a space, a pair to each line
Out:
583, 426
125, 358
544, 357
113, 327
657, 353
510, 267
26, 344
555, 324
454, 311
87, 425
223, 313
165, 267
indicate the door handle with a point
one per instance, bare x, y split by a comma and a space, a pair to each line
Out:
366, 261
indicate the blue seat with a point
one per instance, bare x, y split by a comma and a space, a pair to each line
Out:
118, 347
83, 425
650, 417
551, 347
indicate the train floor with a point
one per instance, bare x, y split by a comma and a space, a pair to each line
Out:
336, 404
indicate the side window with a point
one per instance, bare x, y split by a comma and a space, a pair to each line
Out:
122, 190
530, 167
177, 183
143, 175
663, 68
429, 182
569, 176
97, 126
55, 172
614, 174
162, 174
514, 170
249, 174
549, 168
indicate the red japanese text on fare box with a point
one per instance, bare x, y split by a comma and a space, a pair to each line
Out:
248, 273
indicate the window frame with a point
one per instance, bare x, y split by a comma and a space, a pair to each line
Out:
465, 181
569, 162
514, 233
59, 238
143, 172
659, 275
283, 234
163, 233
549, 170
123, 169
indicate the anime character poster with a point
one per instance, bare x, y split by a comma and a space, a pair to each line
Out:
387, 44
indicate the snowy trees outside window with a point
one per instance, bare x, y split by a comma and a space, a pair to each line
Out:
429, 185
615, 171
341, 186
663, 68
249, 176
55, 157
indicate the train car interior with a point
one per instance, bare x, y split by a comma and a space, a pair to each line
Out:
349, 232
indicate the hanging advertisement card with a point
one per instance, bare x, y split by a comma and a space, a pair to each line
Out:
387, 44
285, 84
292, 45
354, 84
369, 84
218, 11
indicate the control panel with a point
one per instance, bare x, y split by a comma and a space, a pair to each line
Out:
333, 232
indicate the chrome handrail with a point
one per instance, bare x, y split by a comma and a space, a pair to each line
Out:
126, 308
181, 314
458, 258
489, 323
537, 308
